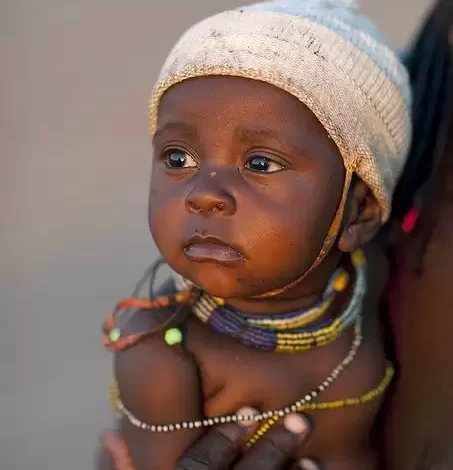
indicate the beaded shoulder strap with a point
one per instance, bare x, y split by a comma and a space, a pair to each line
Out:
135, 318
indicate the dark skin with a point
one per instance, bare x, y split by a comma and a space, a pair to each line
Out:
419, 415
227, 136
221, 448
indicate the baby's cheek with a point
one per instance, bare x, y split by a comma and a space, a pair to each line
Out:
280, 245
165, 223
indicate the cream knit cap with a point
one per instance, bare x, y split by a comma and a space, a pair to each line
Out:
328, 56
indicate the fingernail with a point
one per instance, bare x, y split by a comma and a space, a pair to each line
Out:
247, 411
295, 424
307, 464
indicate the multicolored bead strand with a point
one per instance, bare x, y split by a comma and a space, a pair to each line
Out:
283, 333
367, 397
280, 413
115, 340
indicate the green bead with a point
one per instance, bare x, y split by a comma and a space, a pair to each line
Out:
173, 336
114, 335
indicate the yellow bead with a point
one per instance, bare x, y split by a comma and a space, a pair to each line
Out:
358, 258
114, 395
114, 335
218, 301
352, 402
173, 336
341, 282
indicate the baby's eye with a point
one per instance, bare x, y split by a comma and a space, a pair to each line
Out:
175, 159
263, 165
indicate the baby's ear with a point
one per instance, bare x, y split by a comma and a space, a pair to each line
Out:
363, 218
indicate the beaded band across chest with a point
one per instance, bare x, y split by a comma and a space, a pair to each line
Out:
280, 413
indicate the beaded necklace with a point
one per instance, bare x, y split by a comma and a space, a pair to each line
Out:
268, 332
208, 307
204, 306
288, 333
280, 413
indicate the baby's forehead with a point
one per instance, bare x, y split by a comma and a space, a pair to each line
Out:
220, 111
236, 99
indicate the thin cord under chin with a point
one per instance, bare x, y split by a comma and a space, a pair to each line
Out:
329, 241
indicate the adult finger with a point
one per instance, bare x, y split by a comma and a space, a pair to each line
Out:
307, 464
275, 450
220, 447
115, 445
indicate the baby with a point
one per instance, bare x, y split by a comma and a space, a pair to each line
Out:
279, 132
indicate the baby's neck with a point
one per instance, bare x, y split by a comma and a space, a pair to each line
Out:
301, 296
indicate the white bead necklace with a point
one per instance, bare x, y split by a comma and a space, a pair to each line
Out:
209, 422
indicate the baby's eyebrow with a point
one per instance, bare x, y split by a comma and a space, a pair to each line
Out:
251, 133
181, 127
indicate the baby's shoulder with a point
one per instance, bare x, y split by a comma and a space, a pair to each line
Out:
150, 377
151, 364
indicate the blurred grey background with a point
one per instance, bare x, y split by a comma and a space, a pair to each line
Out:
75, 159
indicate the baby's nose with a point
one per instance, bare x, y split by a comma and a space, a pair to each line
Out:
207, 197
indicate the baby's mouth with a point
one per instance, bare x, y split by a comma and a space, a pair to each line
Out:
212, 249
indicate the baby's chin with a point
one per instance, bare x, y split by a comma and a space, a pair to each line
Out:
222, 281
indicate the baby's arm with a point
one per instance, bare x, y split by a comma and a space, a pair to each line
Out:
159, 384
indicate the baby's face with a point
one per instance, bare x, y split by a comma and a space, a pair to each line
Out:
245, 185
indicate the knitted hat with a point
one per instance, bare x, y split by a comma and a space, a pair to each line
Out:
328, 56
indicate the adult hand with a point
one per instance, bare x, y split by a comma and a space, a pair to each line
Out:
222, 448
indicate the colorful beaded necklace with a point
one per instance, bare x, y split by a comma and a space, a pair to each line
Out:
285, 332
209, 307
203, 306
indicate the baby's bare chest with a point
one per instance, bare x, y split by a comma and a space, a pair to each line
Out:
234, 376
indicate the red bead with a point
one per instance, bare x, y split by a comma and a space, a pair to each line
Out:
410, 220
